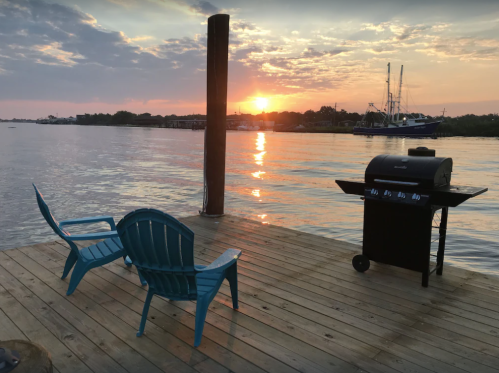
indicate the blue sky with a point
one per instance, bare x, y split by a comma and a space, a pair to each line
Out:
74, 56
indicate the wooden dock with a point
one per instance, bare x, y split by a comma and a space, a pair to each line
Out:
303, 308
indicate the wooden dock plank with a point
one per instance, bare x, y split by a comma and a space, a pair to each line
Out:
8, 328
62, 357
435, 365
164, 356
85, 349
302, 309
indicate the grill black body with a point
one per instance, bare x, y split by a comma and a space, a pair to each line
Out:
402, 195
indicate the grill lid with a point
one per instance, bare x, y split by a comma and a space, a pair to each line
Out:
410, 171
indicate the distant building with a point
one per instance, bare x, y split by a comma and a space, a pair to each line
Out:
187, 123
262, 124
348, 123
147, 120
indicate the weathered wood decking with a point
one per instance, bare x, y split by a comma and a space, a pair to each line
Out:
302, 308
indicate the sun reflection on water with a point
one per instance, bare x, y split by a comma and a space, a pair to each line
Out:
259, 158
260, 141
258, 174
260, 146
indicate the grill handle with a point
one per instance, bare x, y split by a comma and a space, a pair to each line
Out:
394, 182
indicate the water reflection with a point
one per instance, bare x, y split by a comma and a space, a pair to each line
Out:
260, 141
259, 158
256, 193
260, 146
258, 174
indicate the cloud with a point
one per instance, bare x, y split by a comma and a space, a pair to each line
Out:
241, 26
83, 59
204, 8
312, 52
381, 49
51, 45
463, 48
380, 27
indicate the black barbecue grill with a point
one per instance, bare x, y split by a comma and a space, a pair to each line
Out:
403, 196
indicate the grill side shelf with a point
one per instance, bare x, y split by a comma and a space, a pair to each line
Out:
454, 195
352, 186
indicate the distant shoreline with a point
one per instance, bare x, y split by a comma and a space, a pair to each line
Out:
345, 130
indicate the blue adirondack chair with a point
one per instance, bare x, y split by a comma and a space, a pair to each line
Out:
90, 257
162, 249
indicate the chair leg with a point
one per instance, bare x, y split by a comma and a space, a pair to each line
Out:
144, 313
78, 272
128, 261
231, 276
142, 281
70, 262
201, 311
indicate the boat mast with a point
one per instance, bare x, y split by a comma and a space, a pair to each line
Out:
400, 90
388, 103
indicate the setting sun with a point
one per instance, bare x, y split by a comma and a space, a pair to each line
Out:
261, 103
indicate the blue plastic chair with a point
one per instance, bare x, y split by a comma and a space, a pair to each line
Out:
162, 249
90, 257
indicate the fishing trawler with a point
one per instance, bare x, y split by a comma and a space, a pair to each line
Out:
391, 122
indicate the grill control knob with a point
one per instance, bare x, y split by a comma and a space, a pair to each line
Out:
388, 193
374, 192
401, 195
416, 197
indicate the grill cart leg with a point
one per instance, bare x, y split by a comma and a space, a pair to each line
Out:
441, 242
425, 277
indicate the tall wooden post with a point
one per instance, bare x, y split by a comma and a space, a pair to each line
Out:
216, 113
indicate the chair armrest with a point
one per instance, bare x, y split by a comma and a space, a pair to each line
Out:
92, 236
93, 219
224, 261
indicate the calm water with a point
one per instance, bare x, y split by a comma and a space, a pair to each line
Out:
281, 178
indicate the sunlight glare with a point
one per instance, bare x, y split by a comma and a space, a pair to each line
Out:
259, 158
258, 174
260, 141
261, 103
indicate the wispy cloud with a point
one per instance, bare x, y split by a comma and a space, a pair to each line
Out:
204, 8
463, 48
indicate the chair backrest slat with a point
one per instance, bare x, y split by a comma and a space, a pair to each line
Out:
147, 241
44, 209
163, 251
187, 250
159, 239
172, 238
52, 221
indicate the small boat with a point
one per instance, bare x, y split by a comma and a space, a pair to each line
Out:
248, 128
391, 122
12, 127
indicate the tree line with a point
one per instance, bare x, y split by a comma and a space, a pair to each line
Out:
471, 125
325, 113
466, 125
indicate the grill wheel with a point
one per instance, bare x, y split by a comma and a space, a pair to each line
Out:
361, 263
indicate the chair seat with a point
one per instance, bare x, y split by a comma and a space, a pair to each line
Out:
104, 250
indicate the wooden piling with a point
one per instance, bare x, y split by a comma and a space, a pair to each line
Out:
216, 113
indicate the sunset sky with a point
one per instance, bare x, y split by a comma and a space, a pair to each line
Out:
73, 56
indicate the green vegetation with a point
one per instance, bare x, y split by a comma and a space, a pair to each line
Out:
334, 129
324, 120
471, 125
